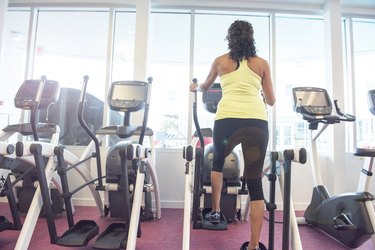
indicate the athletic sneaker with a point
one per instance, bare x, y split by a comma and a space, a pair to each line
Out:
245, 246
213, 217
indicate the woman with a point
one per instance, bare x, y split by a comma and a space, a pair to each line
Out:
241, 117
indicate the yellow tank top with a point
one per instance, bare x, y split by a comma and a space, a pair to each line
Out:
241, 98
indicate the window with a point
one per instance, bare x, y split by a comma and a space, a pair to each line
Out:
364, 64
169, 50
169, 66
123, 48
300, 62
123, 57
12, 68
210, 32
69, 45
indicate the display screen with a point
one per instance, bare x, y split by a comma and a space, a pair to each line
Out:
311, 98
128, 92
212, 96
26, 94
312, 101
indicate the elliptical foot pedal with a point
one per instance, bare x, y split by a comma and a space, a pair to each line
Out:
222, 225
5, 224
113, 237
79, 235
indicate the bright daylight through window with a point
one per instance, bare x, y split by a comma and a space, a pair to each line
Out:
71, 44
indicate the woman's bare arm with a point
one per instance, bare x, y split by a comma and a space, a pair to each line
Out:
267, 85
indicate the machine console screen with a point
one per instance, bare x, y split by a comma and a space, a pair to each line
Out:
312, 101
127, 97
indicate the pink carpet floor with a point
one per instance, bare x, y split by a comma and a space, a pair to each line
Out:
166, 234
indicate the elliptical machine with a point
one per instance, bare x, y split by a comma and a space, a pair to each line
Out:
18, 178
35, 95
232, 184
197, 180
127, 96
198, 166
348, 217
281, 168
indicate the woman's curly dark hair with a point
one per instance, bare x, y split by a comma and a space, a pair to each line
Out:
240, 39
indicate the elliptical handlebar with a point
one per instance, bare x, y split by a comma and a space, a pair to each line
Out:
195, 116
146, 110
89, 131
35, 107
81, 108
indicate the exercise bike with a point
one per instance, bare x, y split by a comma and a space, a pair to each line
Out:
348, 217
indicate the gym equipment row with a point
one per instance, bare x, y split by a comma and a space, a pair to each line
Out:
349, 218
124, 194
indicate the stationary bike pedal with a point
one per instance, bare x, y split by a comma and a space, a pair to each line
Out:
344, 223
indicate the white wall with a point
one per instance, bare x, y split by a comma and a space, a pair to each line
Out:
170, 170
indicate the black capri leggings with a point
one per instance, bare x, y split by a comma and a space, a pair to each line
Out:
253, 136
